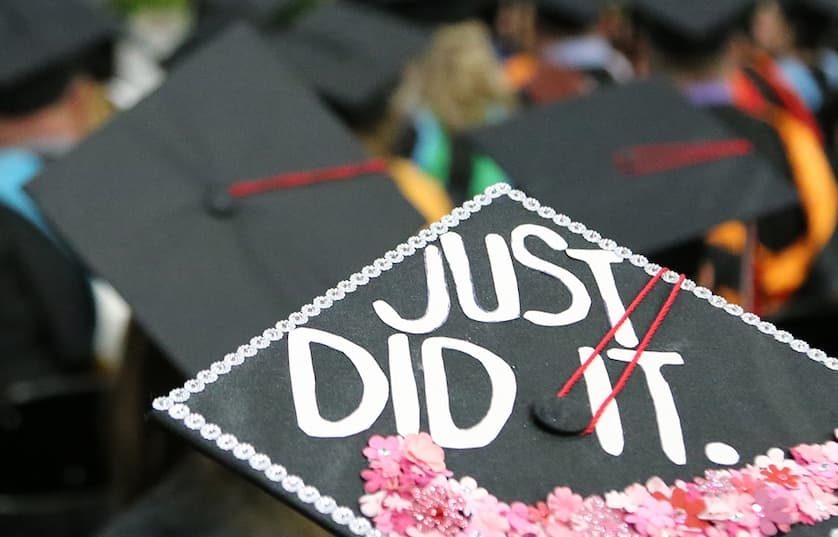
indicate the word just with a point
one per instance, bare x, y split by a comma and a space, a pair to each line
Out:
402, 384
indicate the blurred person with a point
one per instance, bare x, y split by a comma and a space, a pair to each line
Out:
760, 264
806, 59
456, 85
571, 51
50, 98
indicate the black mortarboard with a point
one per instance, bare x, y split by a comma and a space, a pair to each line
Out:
437, 11
148, 202
638, 162
569, 13
475, 331
688, 28
45, 43
813, 20
352, 55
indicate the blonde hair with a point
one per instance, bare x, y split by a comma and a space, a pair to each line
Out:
459, 77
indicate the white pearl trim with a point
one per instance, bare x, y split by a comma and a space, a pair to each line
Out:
174, 404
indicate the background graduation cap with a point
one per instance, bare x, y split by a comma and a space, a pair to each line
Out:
46, 43
352, 55
437, 11
813, 21
691, 28
575, 14
143, 200
463, 331
649, 179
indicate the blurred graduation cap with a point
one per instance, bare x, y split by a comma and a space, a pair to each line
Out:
352, 55
639, 163
538, 355
814, 21
437, 11
46, 43
691, 28
167, 204
569, 13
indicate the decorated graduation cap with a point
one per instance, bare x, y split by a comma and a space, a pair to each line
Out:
228, 195
691, 28
506, 369
45, 43
352, 55
639, 163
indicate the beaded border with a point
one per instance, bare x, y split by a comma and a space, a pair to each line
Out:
174, 404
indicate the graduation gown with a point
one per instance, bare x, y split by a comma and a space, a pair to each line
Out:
47, 315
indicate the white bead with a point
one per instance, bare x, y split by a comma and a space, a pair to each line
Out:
325, 504
461, 213
767, 328
546, 212
816, 355
688, 285
416, 242
799, 345
577, 227
243, 451
260, 342
260, 462
671, 276
292, 483
483, 199
308, 494
310, 310
194, 386
531, 204
382, 265
226, 442
220, 368
283, 326
346, 286
450, 220
471, 206
406, 249
206, 376
343, 515
162, 403
639, 260
179, 395
562, 220
297, 318
430, 235
195, 421
276, 473
717, 301
179, 411
652, 269
516, 195
210, 431
608, 245
783, 336
702, 292
592, 236
734, 309
360, 526
750, 318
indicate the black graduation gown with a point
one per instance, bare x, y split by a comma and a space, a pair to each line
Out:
47, 315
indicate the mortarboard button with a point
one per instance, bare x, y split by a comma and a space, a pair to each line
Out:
219, 202
562, 415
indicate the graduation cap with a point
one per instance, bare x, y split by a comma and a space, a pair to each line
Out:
639, 163
569, 13
45, 43
518, 350
437, 11
689, 28
813, 20
167, 202
352, 55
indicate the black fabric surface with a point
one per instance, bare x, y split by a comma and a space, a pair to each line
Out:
564, 155
737, 386
46, 311
132, 200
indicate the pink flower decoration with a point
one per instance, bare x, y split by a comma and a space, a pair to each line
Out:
371, 504
653, 516
774, 509
817, 504
595, 518
421, 449
563, 503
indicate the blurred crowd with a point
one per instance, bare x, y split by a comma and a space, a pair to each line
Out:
77, 370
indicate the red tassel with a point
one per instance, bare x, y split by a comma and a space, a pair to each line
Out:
655, 158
